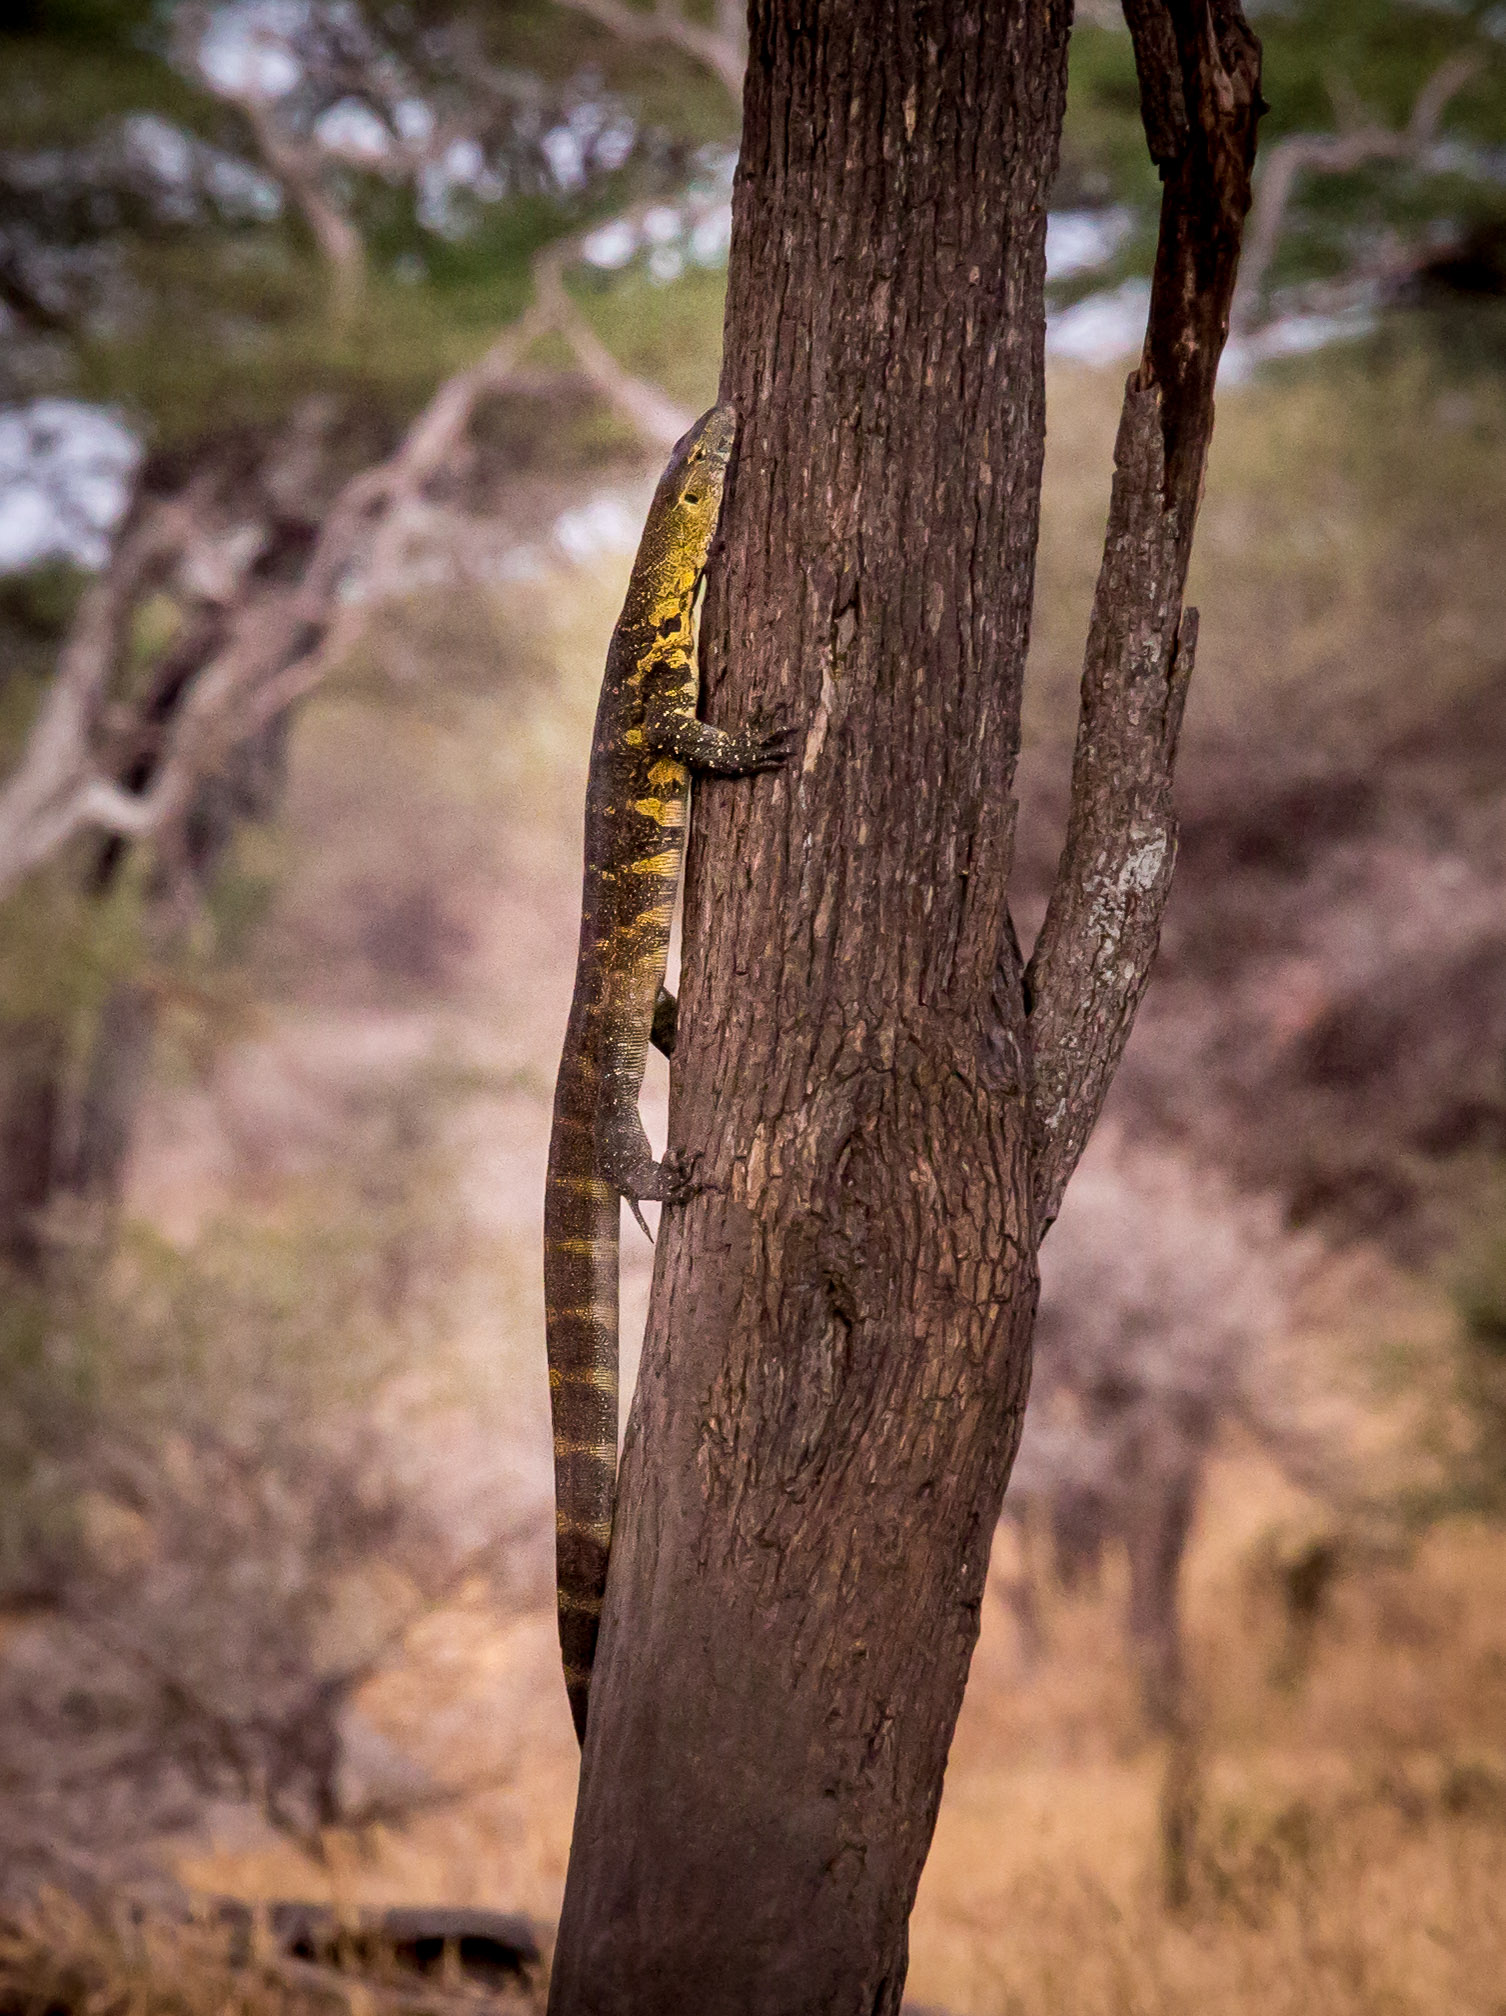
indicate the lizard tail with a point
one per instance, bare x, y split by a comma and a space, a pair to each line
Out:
580, 1312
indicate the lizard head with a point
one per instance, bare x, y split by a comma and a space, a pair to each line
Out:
698, 468
682, 519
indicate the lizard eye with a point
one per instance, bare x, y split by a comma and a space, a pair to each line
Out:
692, 497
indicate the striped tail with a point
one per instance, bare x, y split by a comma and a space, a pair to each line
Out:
580, 1311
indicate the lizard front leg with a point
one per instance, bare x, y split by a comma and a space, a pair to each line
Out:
671, 727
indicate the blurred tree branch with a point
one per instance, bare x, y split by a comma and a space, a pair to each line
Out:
1360, 140
721, 50
298, 169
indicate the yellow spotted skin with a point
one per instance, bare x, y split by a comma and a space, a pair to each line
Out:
646, 744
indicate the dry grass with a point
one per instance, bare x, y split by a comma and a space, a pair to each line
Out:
59, 1958
1352, 1843
1356, 1909
1352, 1846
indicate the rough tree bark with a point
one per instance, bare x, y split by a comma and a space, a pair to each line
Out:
883, 1108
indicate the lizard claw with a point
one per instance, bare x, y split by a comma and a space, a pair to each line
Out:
680, 1181
666, 1183
772, 742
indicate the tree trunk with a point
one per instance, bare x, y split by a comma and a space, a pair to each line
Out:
838, 1347
1161, 1483
31, 1086
119, 1064
832, 1388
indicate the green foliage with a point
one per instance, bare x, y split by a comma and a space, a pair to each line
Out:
1380, 54
204, 320
263, 343
61, 950
35, 611
66, 66
1103, 142
48, 1386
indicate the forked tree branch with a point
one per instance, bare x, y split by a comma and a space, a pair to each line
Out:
1337, 154
1103, 923
280, 643
38, 806
719, 50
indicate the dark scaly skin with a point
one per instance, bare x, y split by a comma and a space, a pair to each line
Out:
646, 743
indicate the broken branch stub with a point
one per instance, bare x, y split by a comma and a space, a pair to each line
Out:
1103, 923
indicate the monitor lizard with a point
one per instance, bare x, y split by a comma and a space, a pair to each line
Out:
646, 744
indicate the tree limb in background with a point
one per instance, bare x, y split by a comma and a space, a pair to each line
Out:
38, 806
657, 418
298, 170
26, 303
280, 642
720, 50
297, 167
1337, 154
1103, 923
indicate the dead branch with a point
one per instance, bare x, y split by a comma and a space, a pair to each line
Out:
721, 50
38, 805
280, 644
1337, 154
1093, 958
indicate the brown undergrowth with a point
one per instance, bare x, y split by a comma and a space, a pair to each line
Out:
59, 1957
1350, 1853
1350, 1850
